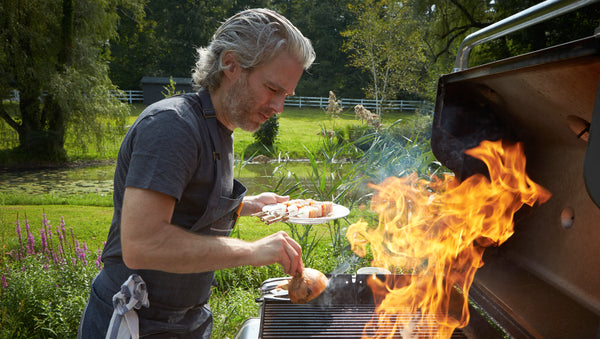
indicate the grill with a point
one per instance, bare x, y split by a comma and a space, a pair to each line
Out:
344, 310
544, 282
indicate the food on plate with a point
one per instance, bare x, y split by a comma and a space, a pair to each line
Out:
305, 208
306, 286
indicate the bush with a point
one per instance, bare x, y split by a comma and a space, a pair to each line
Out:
45, 284
267, 133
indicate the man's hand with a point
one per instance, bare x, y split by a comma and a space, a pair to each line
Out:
255, 203
278, 248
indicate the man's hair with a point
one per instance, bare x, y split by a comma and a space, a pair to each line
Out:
254, 36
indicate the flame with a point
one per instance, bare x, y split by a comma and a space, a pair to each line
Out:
438, 230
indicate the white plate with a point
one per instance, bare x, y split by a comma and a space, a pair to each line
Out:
338, 211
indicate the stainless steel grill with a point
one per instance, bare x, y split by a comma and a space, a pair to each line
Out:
339, 321
346, 310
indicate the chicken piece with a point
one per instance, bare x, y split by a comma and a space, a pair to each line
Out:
306, 286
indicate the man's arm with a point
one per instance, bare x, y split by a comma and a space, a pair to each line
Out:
150, 241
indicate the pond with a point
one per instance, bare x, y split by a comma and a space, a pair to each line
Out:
98, 179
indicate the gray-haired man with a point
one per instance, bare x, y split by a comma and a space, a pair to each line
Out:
175, 199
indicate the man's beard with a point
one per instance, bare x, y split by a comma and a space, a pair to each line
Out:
239, 103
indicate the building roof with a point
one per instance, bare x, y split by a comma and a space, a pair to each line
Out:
165, 80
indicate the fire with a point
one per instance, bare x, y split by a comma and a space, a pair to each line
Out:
437, 230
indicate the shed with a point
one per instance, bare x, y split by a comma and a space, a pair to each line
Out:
154, 87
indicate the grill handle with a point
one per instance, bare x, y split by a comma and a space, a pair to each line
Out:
533, 15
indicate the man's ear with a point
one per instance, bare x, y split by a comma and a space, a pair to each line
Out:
231, 68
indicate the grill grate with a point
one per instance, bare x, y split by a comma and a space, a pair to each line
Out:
281, 320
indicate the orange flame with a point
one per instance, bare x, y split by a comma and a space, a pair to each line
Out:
438, 230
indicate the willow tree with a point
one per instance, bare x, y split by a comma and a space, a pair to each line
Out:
385, 41
55, 54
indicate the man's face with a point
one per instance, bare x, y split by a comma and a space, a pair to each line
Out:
259, 93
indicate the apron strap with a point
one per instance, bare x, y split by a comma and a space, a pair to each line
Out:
210, 115
202, 100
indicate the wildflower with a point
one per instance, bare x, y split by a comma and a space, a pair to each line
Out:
44, 241
98, 260
62, 224
20, 240
4, 283
30, 239
81, 252
365, 115
334, 106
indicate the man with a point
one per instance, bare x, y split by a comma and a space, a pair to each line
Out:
175, 199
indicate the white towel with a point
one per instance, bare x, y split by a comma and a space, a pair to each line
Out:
133, 296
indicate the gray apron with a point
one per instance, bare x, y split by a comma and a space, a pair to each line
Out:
178, 302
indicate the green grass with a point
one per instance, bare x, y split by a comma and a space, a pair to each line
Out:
89, 223
299, 130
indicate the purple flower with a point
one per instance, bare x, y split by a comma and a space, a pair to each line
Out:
20, 253
19, 229
30, 239
98, 260
4, 283
44, 240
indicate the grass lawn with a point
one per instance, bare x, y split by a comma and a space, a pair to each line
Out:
300, 129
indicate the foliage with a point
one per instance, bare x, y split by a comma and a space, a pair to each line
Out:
170, 89
386, 42
267, 133
45, 285
62, 79
163, 42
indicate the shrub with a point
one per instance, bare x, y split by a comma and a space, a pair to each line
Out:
267, 133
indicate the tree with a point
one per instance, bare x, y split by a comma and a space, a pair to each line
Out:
449, 22
164, 43
55, 54
322, 22
386, 42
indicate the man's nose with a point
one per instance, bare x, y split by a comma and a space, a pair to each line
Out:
277, 103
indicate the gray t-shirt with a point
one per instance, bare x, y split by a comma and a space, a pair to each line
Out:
169, 150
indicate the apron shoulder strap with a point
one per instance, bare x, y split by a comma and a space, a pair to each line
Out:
202, 99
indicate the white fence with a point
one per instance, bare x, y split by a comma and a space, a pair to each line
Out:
370, 104
132, 96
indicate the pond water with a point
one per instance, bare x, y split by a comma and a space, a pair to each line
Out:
99, 179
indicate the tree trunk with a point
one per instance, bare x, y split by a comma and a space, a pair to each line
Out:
42, 132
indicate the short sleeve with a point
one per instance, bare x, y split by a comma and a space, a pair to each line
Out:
164, 154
